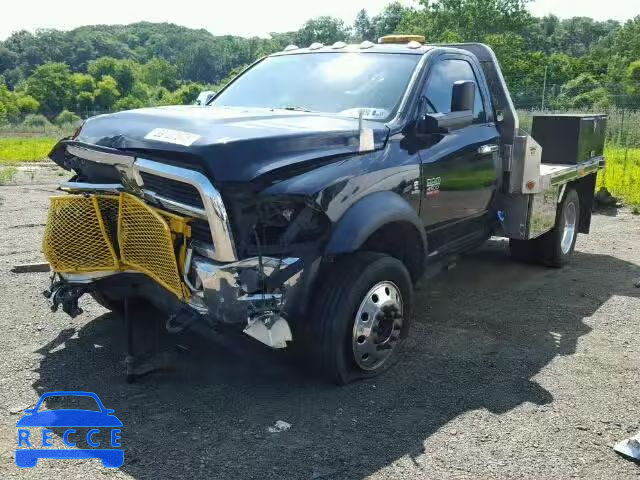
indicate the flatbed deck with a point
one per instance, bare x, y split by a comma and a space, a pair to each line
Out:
552, 174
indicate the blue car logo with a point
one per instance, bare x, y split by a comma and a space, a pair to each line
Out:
69, 419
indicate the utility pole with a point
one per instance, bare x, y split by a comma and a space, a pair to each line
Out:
544, 85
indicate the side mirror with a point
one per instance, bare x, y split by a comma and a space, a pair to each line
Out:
439, 123
463, 96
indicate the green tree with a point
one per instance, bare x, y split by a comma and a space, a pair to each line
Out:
106, 93
159, 72
122, 71
388, 20
471, 20
363, 27
326, 30
8, 59
585, 92
186, 94
125, 75
51, 86
632, 83
129, 103
626, 40
101, 67
9, 109
83, 82
27, 104
633, 78
84, 102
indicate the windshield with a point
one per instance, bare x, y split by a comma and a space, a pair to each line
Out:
343, 83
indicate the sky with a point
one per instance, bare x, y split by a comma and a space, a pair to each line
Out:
246, 17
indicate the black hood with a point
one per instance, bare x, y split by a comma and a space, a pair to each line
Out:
233, 144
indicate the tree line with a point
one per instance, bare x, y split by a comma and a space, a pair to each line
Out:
576, 63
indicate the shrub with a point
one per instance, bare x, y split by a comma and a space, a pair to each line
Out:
36, 121
66, 116
129, 103
27, 104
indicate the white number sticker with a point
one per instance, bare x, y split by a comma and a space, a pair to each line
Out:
172, 136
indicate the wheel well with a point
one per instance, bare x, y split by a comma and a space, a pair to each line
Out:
402, 241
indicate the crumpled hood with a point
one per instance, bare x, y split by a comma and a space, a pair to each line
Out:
234, 144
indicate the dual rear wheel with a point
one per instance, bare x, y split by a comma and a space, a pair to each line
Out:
556, 246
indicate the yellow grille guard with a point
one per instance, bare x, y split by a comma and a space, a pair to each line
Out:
91, 233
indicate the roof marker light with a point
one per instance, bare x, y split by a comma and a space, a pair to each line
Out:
315, 46
339, 45
401, 39
366, 44
413, 44
288, 48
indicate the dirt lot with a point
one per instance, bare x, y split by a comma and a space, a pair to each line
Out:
511, 372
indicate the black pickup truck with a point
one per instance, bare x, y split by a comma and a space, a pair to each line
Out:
303, 203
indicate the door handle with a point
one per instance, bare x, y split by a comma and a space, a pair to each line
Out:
488, 149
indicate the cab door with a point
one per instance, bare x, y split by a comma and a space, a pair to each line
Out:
458, 169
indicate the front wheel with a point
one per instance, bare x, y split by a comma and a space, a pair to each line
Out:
360, 317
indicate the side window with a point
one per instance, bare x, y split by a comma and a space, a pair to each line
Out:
440, 84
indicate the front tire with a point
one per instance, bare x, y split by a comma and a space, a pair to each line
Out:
360, 316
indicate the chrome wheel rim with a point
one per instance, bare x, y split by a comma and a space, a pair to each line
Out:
569, 231
377, 326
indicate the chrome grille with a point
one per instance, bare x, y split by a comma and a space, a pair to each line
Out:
172, 189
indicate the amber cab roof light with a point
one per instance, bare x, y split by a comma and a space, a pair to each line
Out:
401, 39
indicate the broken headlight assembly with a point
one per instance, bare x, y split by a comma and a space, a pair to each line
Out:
281, 226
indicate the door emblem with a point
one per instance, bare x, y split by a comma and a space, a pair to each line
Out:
433, 186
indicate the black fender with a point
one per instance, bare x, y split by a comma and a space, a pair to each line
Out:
368, 215
349, 234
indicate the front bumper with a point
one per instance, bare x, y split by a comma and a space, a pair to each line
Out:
107, 243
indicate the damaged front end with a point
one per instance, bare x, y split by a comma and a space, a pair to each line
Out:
163, 233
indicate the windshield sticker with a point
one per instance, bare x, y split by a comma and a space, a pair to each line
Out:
367, 113
366, 140
172, 136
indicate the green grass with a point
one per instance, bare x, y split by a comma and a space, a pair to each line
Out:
621, 175
25, 149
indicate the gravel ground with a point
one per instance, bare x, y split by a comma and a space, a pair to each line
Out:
511, 371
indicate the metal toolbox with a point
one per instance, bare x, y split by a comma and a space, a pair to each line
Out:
569, 138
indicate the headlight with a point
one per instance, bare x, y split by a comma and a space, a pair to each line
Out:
281, 224
278, 213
